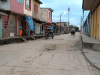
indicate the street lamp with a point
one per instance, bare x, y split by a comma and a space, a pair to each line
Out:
60, 20
68, 17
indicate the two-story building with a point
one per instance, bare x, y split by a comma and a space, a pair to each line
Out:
26, 13
14, 13
46, 16
36, 15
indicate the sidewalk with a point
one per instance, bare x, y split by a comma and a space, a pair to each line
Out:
89, 39
91, 50
90, 43
10, 40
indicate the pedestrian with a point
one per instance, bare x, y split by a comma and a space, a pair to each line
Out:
20, 30
31, 33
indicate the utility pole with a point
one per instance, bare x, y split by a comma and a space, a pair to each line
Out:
60, 20
68, 18
60, 24
81, 24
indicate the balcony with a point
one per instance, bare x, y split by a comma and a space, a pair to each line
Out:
36, 16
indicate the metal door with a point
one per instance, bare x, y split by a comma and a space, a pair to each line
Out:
12, 23
0, 27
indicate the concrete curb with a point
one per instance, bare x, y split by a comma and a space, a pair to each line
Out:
94, 65
11, 40
93, 46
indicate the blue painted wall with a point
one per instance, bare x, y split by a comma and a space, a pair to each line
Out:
87, 25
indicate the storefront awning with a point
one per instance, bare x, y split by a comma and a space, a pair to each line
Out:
62, 27
4, 14
30, 22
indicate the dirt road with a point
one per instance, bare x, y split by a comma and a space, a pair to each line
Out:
59, 56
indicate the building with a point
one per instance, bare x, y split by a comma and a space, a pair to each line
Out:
87, 25
55, 27
26, 13
37, 16
46, 16
15, 13
9, 23
94, 7
62, 26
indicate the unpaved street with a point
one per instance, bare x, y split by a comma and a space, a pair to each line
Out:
59, 56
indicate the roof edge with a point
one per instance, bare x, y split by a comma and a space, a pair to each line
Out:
39, 1
83, 4
48, 8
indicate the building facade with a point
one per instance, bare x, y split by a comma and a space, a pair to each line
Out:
13, 14
87, 25
36, 16
46, 16
62, 26
26, 13
94, 7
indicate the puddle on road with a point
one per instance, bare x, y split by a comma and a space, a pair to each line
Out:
50, 47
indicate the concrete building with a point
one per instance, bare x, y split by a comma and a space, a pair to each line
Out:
62, 26
94, 7
37, 16
13, 15
46, 16
9, 23
87, 25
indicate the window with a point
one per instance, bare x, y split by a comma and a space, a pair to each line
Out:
35, 8
49, 15
28, 4
20, 1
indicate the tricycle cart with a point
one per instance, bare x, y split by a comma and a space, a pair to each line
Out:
49, 32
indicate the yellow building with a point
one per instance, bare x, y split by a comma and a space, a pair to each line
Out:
94, 7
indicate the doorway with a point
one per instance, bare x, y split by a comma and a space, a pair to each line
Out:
23, 25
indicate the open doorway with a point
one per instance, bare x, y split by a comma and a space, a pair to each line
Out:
23, 25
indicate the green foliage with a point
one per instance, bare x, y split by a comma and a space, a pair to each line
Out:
76, 28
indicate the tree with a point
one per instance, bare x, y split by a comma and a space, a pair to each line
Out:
76, 28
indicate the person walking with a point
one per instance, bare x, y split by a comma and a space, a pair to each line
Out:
20, 30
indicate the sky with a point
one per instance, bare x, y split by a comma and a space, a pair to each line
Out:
60, 6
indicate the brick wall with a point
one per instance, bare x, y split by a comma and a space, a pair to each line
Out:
10, 27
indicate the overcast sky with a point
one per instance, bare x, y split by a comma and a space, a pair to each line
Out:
59, 6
